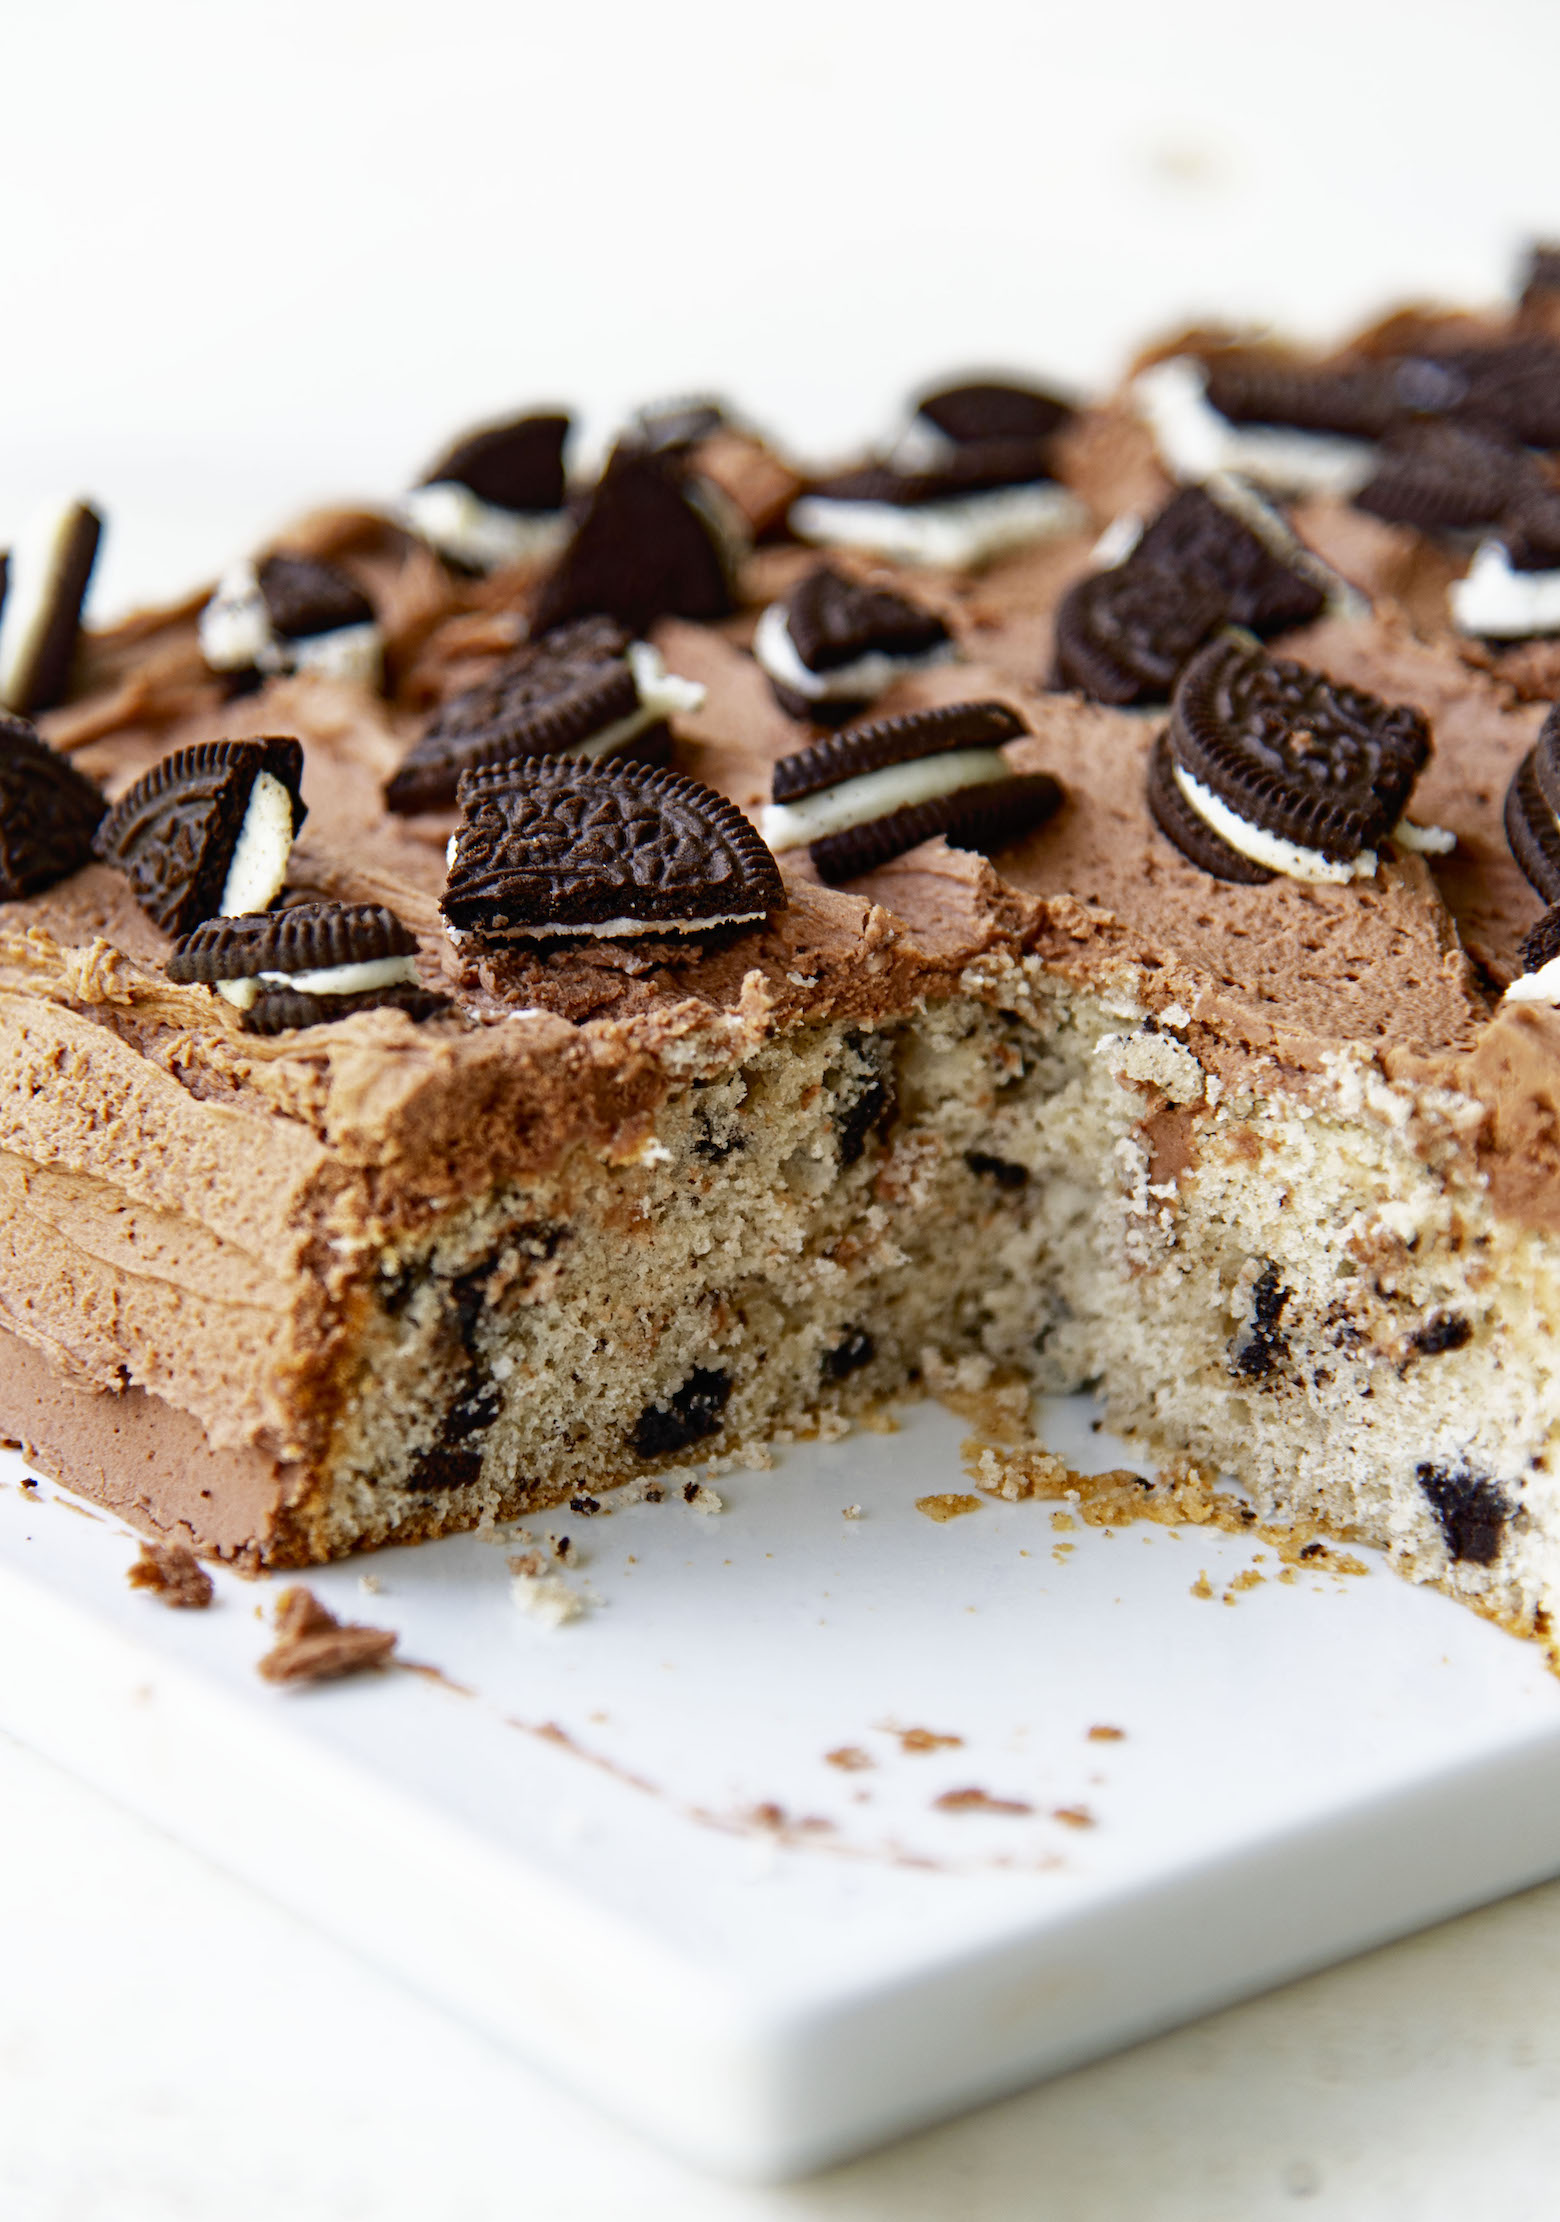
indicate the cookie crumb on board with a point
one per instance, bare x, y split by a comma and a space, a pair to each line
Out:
172, 1572
312, 1645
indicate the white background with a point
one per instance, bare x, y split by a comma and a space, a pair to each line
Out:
252, 255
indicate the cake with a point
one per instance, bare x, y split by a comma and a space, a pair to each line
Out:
483, 1115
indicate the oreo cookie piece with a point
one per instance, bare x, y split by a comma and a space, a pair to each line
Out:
1533, 811
300, 967
208, 830
834, 645
1541, 278
1297, 774
1214, 555
1443, 477
860, 797
552, 847
1512, 389
676, 425
43, 584
1360, 401
952, 507
1320, 444
585, 690
1539, 950
651, 543
292, 613
497, 496
1192, 835
992, 409
49, 812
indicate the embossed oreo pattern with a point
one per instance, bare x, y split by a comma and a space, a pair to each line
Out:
568, 845
174, 832
49, 812
641, 550
897, 740
307, 937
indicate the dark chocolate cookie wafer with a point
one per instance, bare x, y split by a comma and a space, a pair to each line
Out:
1356, 401
176, 832
897, 740
1266, 583
1530, 528
978, 467
307, 965
1327, 768
1180, 825
644, 548
49, 812
989, 409
984, 818
1512, 389
1540, 945
548, 699
834, 620
675, 425
516, 466
554, 846
1532, 822
1442, 477
305, 597
1122, 635
42, 589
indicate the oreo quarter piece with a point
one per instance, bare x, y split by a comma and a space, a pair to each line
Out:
860, 797
585, 690
208, 830
42, 588
833, 645
49, 812
291, 613
646, 546
551, 847
1301, 775
306, 965
1532, 820
497, 496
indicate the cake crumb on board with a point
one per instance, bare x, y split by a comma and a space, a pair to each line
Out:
948, 1504
172, 1572
312, 1645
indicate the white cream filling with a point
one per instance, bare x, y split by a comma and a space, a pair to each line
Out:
35, 563
1117, 541
1502, 604
331, 979
865, 679
612, 929
1542, 986
947, 535
236, 634
451, 518
259, 862
1195, 442
662, 694
855, 802
1287, 857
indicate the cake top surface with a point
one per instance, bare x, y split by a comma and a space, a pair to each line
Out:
1272, 984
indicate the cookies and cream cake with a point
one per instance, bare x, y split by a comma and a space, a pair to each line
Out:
433, 1090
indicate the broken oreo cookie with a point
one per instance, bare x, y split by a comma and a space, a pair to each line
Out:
834, 645
49, 812
208, 830
861, 797
1533, 811
303, 966
292, 613
1215, 554
497, 496
654, 540
1442, 477
1316, 446
1539, 949
991, 409
953, 508
585, 690
43, 584
551, 846
1270, 768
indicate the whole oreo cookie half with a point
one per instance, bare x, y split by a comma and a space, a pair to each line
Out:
49, 812
306, 965
861, 797
584, 690
1533, 811
43, 584
834, 644
1300, 775
552, 847
648, 544
208, 830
